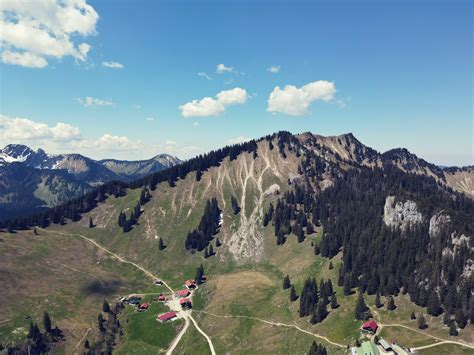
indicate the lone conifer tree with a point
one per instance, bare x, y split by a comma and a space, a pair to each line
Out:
293, 295
47, 322
422, 322
412, 316
91, 223
199, 275
391, 304
378, 303
161, 244
286, 282
334, 303
434, 307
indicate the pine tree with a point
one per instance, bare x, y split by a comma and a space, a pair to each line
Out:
347, 287
218, 243
378, 303
35, 231
453, 331
433, 306
331, 266
361, 309
105, 307
234, 205
211, 250
334, 303
199, 275
317, 250
460, 318
412, 316
86, 344
422, 322
293, 295
47, 322
161, 244
91, 223
100, 323
206, 253
317, 349
391, 304
286, 282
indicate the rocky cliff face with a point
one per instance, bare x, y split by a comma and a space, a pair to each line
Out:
401, 214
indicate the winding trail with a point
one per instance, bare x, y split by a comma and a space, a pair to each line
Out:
277, 324
81, 340
186, 315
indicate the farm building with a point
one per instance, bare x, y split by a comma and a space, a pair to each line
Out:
370, 326
185, 303
166, 316
143, 306
161, 298
385, 345
133, 300
368, 348
190, 284
182, 293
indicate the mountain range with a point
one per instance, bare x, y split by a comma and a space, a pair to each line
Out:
31, 180
300, 236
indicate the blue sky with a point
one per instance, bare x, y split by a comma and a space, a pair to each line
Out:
396, 74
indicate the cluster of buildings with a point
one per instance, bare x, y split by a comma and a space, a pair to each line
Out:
382, 346
184, 300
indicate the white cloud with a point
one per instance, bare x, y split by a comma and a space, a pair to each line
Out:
209, 106
238, 140
221, 69
25, 59
274, 69
23, 130
35, 30
296, 101
195, 123
149, 118
91, 101
204, 75
113, 65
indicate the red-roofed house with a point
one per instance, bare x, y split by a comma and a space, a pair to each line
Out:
182, 293
166, 316
190, 284
143, 306
185, 303
162, 298
370, 326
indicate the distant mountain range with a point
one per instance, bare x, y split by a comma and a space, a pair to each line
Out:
30, 180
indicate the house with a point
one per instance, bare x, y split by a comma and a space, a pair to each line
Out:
398, 350
158, 282
370, 326
185, 303
143, 306
166, 316
161, 298
134, 300
385, 345
368, 348
182, 293
190, 284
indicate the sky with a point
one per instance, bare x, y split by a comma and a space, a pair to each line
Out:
131, 79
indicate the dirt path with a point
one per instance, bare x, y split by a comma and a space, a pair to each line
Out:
81, 341
178, 337
440, 340
277, 324
175, 306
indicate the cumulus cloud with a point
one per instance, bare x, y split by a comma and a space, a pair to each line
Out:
113, 65
92, 101
33, 31
274, 69
209, 106
25, 59
295, 101
238, 140
204, 75
149, 118
221, 69
15, 129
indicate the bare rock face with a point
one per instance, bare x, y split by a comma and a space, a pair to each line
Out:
437, 222
401, 214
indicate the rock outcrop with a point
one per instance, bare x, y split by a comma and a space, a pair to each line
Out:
401, 214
